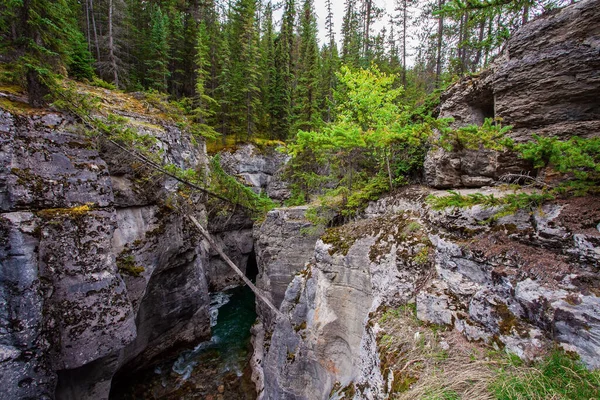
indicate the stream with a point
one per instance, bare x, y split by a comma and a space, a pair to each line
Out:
217, 369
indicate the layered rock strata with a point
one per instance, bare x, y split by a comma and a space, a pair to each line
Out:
546, 81
98, 274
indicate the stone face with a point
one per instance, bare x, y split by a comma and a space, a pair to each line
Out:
326, 339
284, 243
522, 282
546, 82
89, 302
41, 169
260, 169
91, 284
24, 365
549, 82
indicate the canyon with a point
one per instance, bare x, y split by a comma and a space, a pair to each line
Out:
103, 275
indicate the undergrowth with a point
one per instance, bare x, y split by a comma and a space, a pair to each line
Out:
430, 362
109, 125
558, 376
507, 204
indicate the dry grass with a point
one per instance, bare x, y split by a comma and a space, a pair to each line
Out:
431, 362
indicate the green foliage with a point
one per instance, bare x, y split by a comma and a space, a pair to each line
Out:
369, 149
490, 135
98, 82
236, 192
507, 204
559, 376
126, 264
158, 50
576, 156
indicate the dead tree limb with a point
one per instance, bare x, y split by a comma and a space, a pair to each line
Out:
247, 281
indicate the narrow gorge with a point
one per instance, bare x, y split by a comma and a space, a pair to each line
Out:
108, 291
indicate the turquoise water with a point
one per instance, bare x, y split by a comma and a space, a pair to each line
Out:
230, 335
217, 369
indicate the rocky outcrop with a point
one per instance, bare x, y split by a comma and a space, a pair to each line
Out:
544, 82
260, 168
524, 282
98, 274
233, 233
284, 243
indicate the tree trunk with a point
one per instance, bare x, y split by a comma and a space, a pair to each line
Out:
95, 30
403, 45
525, 14
440, 32
479, 44
111, 47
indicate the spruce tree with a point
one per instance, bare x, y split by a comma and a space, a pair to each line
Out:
307, 114
329, 66
283, 81
245, 69
351, 38
158, 51
47, 35
267, 50
203, 102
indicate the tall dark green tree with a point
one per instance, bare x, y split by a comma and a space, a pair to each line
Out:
351, 37
268, 71
46, 34
307, 114
245, 72
329, 66
283, 81
157, 61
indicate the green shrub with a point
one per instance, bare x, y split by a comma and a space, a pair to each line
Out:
490, 135
508, 204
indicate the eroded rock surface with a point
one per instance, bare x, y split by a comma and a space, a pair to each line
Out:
545, 82
284, 243
261, 169
523, 282
97, 274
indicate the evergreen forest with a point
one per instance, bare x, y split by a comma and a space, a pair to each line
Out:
244, 70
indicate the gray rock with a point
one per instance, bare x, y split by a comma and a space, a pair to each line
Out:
284, 243
545, 82
260, 169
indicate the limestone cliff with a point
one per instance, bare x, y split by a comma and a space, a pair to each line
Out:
523, 282
545, 82
98, 274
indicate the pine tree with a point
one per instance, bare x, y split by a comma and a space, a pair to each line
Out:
203, 102
283, 81
329, 66
47, 35
158, 52
267, 49
245, 69
351, 39
403, 18
307, 113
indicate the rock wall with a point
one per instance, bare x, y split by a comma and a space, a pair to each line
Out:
284, 243
98, 274
546, 81
260, 168
523, 282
